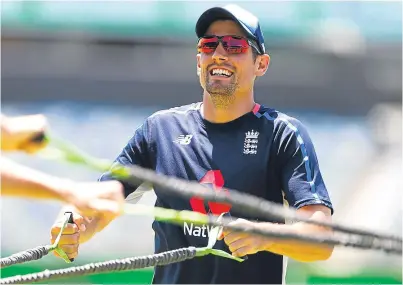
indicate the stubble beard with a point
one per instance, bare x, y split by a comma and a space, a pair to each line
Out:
222, 95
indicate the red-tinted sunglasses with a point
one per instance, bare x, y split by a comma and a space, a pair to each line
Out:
231, 44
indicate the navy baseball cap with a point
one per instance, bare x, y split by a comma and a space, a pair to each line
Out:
248, 22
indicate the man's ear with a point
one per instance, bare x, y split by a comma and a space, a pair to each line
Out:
198, 64
262, 64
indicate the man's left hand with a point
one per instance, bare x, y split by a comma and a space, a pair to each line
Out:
241, 243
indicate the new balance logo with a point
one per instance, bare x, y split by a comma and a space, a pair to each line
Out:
183, 139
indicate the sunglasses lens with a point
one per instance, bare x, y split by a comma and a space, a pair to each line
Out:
235, 45
207, 45
232, 44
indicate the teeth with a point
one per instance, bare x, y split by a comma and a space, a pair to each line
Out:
218, 71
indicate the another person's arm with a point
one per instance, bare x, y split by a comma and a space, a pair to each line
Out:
21, 181
88, 198
136, 152
17, 133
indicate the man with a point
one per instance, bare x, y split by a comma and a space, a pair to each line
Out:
229, 141
17, 134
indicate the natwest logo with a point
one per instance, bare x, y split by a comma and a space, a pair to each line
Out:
215, 180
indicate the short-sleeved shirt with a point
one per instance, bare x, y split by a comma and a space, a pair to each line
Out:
264, 153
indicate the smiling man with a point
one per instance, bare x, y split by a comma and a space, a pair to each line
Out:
226, 141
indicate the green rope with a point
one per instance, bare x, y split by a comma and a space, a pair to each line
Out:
357, 238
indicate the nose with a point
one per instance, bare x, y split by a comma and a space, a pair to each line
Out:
220, 54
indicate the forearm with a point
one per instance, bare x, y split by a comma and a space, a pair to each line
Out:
18, 180
296, 249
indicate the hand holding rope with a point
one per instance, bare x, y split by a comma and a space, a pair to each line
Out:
246, 203
255, 206
40, 251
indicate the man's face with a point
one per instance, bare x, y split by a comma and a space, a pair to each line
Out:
240, 69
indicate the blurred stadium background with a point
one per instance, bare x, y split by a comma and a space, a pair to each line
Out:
97, 69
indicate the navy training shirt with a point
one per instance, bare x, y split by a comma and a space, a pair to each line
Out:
264, 153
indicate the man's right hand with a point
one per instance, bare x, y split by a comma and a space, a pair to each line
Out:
72, 233
102, 201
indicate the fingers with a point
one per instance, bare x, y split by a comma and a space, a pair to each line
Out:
79, 221
244, 251
18, 133
235, 245
234, 236
68, 230
71, 252
27, 127
70, 239
33, 147
226, 231
239, 243
231, 234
